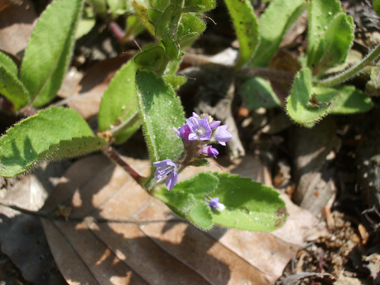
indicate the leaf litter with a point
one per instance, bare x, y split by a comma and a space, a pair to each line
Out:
117, 233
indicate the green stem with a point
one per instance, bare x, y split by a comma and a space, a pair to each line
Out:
345, 75
119, 128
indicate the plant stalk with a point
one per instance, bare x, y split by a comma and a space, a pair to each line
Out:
351, 72
116, 157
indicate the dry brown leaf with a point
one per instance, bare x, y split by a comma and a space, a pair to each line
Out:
87, 95
117, 233
16, 25
22, 236
313, 173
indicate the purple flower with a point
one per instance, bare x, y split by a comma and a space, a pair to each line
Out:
215, 205
200, 128
214, 124
222, 135
183, 132
166, 167
209, 151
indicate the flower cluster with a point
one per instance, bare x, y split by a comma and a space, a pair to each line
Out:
197, 134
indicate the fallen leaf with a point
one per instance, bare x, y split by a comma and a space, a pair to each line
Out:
87, 95
16, 25
295, 279
22, 236
117, 233
313, 172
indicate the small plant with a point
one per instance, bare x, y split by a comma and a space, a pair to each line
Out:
142, 93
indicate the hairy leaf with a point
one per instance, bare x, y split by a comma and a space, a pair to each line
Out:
49, 50
274, 23
160, 111
258, 93
199, 5
152, 58
249, 205
118, 108
10, 86
321, 13
247, 29
307, 105
189, 27
338, 40
51, 134
7, 63
351, 101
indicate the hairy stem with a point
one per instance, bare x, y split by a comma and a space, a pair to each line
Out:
114, 156
351, 72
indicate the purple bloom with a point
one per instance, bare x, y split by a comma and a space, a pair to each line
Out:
214, 124
222, 135
183, 132
209, 151
166, 167
215, 205
200, 128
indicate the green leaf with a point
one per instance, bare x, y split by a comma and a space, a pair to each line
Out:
321, 13
7, 63
53, 133
189, 27
133, 26
351, 101
175, 81
172, 49
199, 5
247, 29
307, 105
338, 40
258, 93
275, 21
249, 205
160, 4
49, 50
372, 87
164, 24
199, 185
153, 58
142, 13
100, 6
10, 86
200, 215
84, 27
118, 108
160, 111
376, 6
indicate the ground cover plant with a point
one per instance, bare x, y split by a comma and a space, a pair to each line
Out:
143, 95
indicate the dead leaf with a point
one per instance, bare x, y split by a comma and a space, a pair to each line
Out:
70, 82
117, 233
295, 279
313, 173
22, 236
16, 26
87, 95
